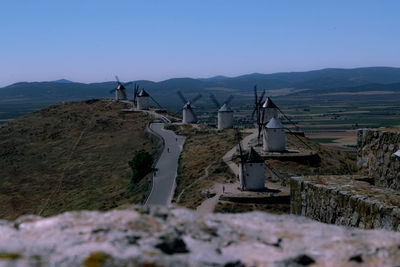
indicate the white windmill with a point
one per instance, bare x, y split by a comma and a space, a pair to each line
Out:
274, 136
120, 90
142, 99
225, 113
269, 110
273, 131
188, 115
251, 169
258, 111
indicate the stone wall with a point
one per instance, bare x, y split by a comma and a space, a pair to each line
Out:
343, 200
374, 157
178, 237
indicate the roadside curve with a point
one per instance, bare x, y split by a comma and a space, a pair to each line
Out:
167, 166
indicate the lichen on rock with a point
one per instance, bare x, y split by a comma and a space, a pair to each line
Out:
178, 237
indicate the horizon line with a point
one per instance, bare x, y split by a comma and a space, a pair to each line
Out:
202, 78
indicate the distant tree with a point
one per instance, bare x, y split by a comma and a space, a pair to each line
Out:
141, 164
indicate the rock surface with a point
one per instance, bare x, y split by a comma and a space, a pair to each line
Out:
374, 156
345, 201
179, 237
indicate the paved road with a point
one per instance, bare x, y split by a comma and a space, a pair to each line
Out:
167, 165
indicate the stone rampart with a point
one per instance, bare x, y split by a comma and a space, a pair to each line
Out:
178, 237
343, 200
375, 157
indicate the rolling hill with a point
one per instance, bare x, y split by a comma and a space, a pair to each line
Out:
70, 156
318, 79
23, 97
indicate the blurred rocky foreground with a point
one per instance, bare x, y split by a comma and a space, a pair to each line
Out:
178, 237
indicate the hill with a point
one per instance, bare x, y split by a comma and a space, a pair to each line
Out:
371, 89
70, 156
319, 86
62, 81
64, 90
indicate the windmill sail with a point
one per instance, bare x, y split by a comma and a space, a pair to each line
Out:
188, 115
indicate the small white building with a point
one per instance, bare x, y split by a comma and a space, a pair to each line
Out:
188, 115
270, 110
251, 172
120, 92
274, 136
225, 117
143, 100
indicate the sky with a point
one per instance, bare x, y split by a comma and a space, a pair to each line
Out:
94, 40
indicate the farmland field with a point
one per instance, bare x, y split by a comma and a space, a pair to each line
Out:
329, 118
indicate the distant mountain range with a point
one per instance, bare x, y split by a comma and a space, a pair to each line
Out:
62, 81
317, 81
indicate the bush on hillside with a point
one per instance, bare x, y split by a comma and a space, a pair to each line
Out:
141, 164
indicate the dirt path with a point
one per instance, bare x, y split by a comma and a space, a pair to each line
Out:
208, 205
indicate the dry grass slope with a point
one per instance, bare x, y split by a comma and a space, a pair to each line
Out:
333, 160
203, 148
70, 156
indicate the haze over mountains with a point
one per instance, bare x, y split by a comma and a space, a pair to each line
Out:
303, 83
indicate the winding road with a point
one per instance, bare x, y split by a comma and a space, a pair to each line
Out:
167, 166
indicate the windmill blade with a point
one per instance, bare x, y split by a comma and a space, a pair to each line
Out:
215, 101
230, 98
136, 89
259, 131
112, 91
239, 140
179, 111
116, 77
255, 94
252, 114
241, 155
156, 102
182, 97
262, 116
196, 98
261, 98
193, 114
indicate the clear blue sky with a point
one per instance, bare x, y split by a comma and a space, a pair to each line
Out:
93, 40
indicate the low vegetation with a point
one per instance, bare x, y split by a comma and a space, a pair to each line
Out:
333, 160
141, 164
204, 148
70, 156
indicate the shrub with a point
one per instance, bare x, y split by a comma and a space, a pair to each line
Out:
141, 164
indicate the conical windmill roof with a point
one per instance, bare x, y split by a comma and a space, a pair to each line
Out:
254, 157
143, 93
120, 87
274, 124
269, 104
225, 108
187, 105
